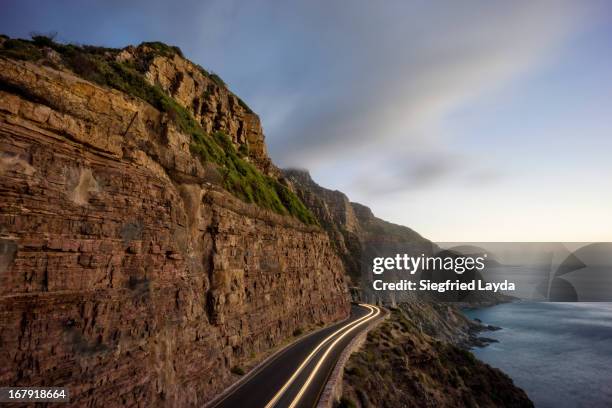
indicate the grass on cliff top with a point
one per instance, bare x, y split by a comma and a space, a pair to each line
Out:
245, 181
164, 49
97, 64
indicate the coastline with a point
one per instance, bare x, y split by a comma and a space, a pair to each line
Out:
424, 346
548, 346
478, 326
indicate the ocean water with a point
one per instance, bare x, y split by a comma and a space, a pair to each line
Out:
559, 353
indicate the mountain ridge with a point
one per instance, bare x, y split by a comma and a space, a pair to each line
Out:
353, 227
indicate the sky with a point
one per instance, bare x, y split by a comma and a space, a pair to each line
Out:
466, 121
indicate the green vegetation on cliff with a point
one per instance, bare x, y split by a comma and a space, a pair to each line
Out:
245, 181
100, 65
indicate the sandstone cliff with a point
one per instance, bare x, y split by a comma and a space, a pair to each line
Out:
335, 214
204, 95
127, 269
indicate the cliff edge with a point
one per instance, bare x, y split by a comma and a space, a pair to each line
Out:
148, 245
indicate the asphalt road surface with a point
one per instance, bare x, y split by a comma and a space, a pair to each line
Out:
296, 376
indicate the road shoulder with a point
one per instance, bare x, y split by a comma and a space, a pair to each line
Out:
333, 388
264, 362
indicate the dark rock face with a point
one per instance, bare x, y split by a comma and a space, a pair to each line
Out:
124, 273
352, 227
336, 215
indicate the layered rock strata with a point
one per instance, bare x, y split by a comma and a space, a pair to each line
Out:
126, 272
354, 230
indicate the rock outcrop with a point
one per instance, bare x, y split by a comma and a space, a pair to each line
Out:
206, 97
356, 233
126, 271
335, 214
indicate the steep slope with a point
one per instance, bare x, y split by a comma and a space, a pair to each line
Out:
354, 230
132, 266
335, 214
418, 356
359, 236
410, 360
205, 95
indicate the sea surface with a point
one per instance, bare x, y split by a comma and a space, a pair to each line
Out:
559, 353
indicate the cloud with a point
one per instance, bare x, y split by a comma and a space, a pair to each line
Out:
395, 174
388, 76
406, 176
334, 79
482, 178
427, 173
359, 92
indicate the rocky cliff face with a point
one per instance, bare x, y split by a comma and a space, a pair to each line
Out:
356, 233
126, 270
206, 97
358, 236
336, 215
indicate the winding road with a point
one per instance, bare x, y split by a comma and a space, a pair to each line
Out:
296, 376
